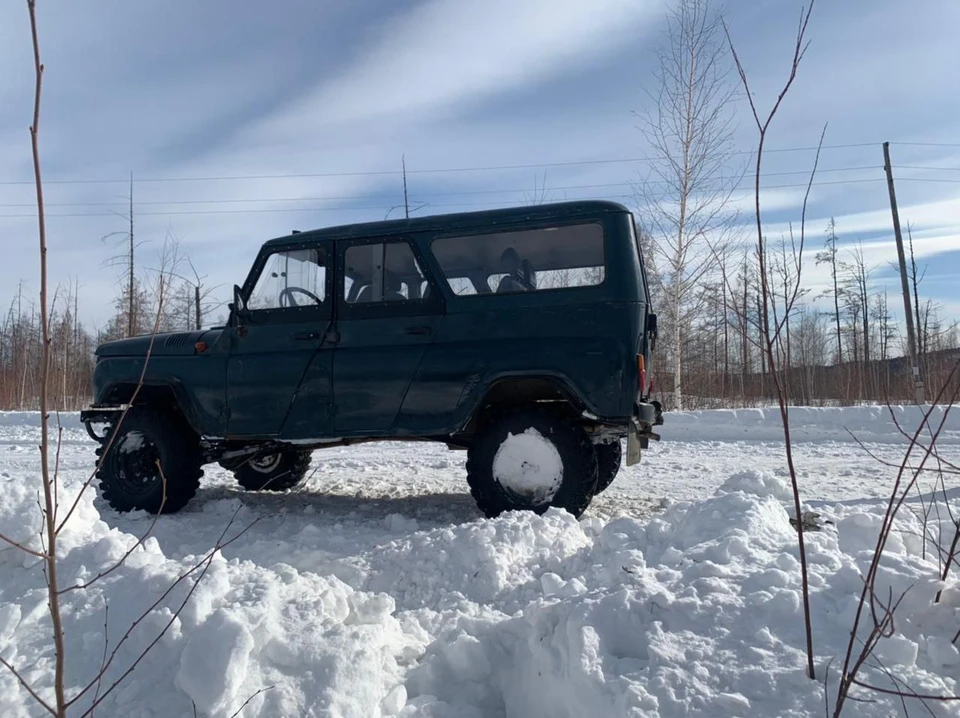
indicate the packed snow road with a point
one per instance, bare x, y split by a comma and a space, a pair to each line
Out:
377, 588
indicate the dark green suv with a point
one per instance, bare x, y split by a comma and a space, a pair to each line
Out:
520, 335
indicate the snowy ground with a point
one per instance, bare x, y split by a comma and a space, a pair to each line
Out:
377, 589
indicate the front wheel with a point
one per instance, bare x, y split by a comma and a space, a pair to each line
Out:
279, 471
531, 460
152, 463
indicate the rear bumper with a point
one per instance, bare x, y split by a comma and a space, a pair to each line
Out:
649, 413
646, 415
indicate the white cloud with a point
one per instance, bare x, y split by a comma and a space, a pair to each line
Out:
446, 54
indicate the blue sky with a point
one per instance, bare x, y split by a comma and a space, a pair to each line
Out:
225, 89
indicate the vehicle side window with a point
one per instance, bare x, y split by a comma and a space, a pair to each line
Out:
291, 278
382, 272
523, 260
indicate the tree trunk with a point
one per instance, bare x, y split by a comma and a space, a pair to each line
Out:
677, 356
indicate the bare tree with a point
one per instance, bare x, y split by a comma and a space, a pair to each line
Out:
49, 509
539, 195
856, 290
772, 330
915, 278
685, 201
406, 198
829, 256
874, 618
53, 521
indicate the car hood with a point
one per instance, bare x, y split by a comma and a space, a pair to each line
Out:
165, 344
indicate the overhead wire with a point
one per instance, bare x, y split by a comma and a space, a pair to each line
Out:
354, 208
414, 171
123, 203
371, 198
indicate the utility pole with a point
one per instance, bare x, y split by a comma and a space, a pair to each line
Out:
406, 202
196, 305
130, 328
76, 322
911, 336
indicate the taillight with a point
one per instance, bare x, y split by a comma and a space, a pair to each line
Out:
641, 374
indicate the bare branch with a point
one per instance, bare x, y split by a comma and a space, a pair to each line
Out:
26, 686
139, 542
106, 647
771, 339
905, 694
247, 702
202, 565
39, 554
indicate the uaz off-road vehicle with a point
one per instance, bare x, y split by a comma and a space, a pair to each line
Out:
521, 335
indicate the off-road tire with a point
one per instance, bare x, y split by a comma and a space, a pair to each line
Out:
275, 472
577, 455
609, 458
129, 478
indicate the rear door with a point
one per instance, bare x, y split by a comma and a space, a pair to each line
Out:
388, 312
290, 313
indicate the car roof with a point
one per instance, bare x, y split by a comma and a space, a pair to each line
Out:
457, 221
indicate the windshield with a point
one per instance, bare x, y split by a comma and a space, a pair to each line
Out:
295, 277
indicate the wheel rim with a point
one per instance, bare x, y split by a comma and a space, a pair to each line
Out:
529, 467
266, 464
135, 458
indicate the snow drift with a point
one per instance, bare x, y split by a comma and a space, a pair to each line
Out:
867, 423
314, 612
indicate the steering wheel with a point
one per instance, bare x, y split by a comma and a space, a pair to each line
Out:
286, 296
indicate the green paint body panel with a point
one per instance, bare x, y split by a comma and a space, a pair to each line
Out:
409, 369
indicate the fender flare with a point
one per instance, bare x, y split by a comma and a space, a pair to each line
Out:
484, 392
121, 392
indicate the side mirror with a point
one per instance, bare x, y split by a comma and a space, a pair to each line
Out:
238, 308
652, 330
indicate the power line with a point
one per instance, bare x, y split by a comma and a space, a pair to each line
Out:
462, 193
447, 170
927, 179
928, 167
380, 207
927, 144
433, 194
428, 194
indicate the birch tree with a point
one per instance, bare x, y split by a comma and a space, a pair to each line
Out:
684, 202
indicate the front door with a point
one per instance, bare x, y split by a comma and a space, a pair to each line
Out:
284, 332
388, 312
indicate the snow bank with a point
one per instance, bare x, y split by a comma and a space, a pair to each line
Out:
68, 419
410, 612
867, 423
697, 613
319, 646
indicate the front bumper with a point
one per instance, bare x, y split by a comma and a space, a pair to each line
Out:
108, 415
100, 414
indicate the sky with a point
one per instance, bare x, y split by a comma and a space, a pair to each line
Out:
243, 121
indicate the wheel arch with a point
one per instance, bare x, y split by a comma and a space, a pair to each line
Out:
166, 396
523, 389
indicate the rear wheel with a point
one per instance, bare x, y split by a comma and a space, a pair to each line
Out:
531, 459
279, 471
151, 464
609, 458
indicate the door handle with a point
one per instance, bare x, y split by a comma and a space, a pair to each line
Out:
418, 330
306, 336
